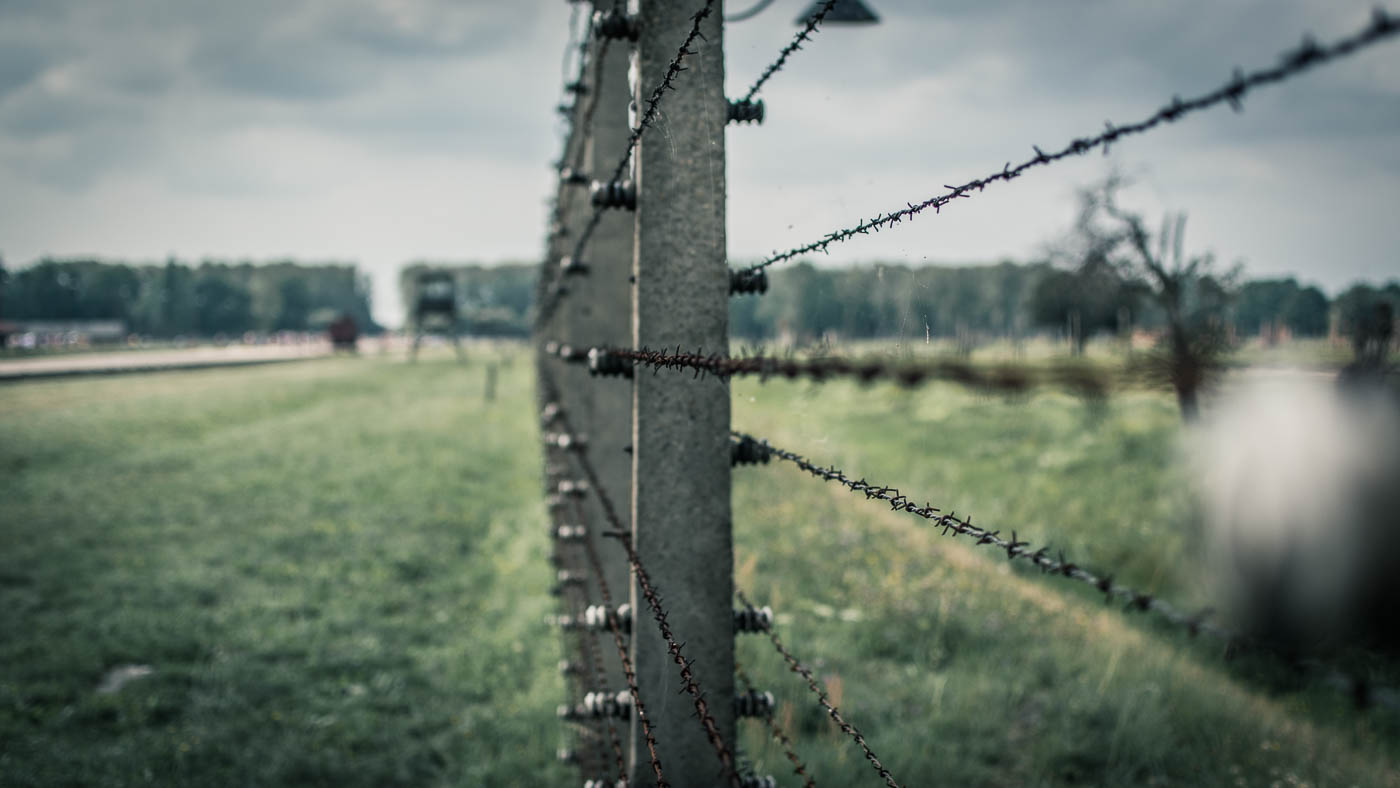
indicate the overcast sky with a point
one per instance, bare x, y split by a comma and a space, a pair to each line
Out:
385, 131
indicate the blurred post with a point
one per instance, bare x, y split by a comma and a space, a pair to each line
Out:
602, 316
561, 328
680, 428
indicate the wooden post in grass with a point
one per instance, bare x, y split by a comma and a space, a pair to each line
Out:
680, 428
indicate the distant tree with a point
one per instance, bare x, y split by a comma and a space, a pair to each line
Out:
1264, 305
1306, 314
294, 304
1082, 301
1367, 315
1192, 296
223, 306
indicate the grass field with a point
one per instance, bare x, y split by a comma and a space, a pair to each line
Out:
337, 571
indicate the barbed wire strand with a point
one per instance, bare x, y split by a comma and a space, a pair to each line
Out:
1015, 548
673, 70
690, 684
595, 658
805, 34
615, 627
1003, 378
799, 768
554, 292
825, 701
574, 599
1363, 691
1308, 55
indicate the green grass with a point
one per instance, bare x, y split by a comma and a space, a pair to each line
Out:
338, 571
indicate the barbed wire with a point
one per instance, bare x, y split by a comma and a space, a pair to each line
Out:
799, 768
689, 682
805, 34
1363, 691
555, 292
615, 627
591, 654
1002, 378
1015, 548
1308, 55
574, 599
825, 701
605, 593
673, 70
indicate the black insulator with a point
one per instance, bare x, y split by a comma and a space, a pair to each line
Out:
747, 451
614, 194
748, 280
754, 781
565, 109
572, 177
600, 705
754, 704
745, 111
602, 362
753, 619
571, 267
615, 24
576, 355
576, 88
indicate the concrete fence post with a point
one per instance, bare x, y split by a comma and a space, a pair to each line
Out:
680, 425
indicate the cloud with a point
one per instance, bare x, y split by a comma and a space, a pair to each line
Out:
206, 126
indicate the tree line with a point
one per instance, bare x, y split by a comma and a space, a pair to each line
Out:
180, 299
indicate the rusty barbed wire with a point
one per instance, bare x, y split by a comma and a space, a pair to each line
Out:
799, 768
1015, 548
557, 414
1308, 55
1005, 378
805, 34
825, 701
690, 684
615, 627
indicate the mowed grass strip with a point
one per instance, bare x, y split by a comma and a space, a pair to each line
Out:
963, 669
336, 570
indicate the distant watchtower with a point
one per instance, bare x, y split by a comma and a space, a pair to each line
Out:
435, 309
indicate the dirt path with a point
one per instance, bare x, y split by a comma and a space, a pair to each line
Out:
155, 360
